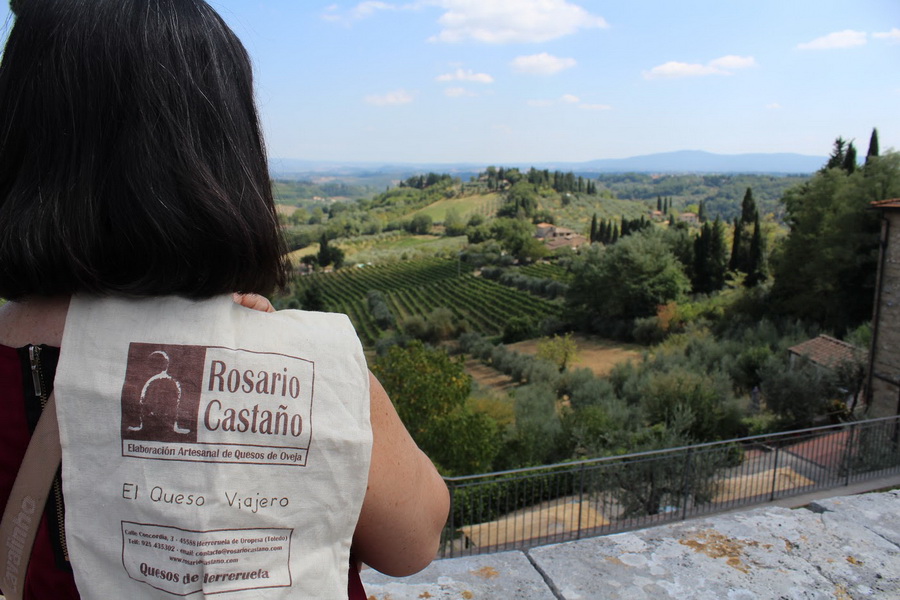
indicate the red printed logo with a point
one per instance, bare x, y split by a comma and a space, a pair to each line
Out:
161, 395
213, 404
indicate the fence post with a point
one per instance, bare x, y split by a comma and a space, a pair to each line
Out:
848, 454
580, 499
452, 532
686, 483
774, 475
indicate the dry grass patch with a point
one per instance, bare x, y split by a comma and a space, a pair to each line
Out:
598, 355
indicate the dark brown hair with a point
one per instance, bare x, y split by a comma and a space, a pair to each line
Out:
131, 158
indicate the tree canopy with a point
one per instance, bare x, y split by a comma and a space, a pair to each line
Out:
627, 280
827, 265
429, 390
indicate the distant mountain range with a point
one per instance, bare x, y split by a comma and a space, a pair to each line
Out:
682, 161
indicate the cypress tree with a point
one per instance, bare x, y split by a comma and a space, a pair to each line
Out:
615, 234
873, 146
593, 237
701, 212
735, 263
718, 261
756, 268
850, 159
659, 203
748, 208
700, 278
324, 256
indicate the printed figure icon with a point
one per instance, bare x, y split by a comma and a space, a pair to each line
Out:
160, 378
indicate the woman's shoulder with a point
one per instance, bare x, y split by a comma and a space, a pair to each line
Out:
33, 321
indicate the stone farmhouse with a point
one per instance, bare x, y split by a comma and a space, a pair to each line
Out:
557, 237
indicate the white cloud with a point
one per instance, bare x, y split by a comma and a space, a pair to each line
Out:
773, 106
839, 39
568, 99
390, 99
467, 75
458, 92
512, 21
673, 69
542, 64
733, 62
363, 10
366, 9
331, 14
892, 36
719, 66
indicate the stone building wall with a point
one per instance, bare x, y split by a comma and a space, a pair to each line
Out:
884, 365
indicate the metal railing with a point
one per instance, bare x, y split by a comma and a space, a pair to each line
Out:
522, 508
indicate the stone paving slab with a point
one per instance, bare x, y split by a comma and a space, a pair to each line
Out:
759, 554
866, 510
502, 575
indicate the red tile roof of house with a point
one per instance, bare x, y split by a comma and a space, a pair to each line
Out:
827, 351
893, 203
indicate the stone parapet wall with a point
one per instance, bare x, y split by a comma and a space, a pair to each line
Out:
846, 547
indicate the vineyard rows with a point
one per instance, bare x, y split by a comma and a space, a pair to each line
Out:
413, 288
545, 271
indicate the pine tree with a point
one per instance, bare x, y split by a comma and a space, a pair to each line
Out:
838, 153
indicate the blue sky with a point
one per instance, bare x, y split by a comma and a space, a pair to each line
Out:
502, 81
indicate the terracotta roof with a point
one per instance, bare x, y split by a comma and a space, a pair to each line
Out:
573, 241
827, 351
893, 203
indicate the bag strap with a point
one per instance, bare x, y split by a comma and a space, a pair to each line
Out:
25, 506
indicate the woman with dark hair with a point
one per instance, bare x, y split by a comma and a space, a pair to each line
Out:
135, 201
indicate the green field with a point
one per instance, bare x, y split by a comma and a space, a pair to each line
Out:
484, 204
394, 246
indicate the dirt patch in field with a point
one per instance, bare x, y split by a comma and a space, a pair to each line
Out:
488, 377
286, 209
598, 355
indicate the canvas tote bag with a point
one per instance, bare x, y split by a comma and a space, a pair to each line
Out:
208, 448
